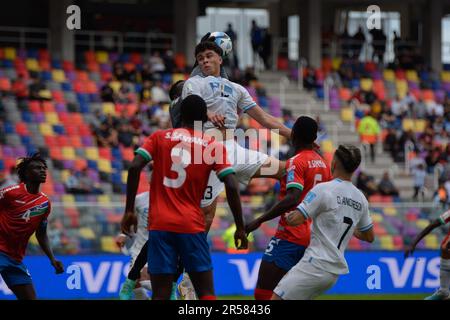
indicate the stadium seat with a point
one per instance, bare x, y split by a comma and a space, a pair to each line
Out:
58, 75
5, 84
366, 84
431, 242
387, 242
108, 108
87, 233
32, 65
101, 56
10, 53
402, 87
104, 165
327, 146
51, 118
347, 114
46, 129
68, 153
389, 75
108, 244
92, 153
445, 76
411, 75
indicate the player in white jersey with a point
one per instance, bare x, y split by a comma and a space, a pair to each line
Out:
338, 211
139, 280
443, 293
224, 100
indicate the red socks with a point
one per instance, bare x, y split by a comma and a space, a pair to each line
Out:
208, 298
263, 294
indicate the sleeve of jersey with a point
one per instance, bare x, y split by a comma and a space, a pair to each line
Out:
445, 217
365, 223
246, 102
295, 176
147, 150
221, 164
313, 203
191, 86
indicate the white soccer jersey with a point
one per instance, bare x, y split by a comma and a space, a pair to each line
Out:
141, 208
336, 207
221, 96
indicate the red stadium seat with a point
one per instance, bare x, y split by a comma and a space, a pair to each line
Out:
75, 141
136, 58
58, 96
5, 84
48, 106
84, 130
89, 56
82, 76
105, 153
51, 141
127, 154
22, 129
68, 66
34, 106
71, 130
45, 65
80, 164
56, 153
63, 141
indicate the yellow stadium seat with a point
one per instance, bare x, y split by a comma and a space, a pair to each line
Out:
390, 211
347, 114
46, 94
46, 129
389, 75
124, 176
257, 200
58, 75
32, 65
104, 165
445, 76
366, 84
109, 245
68, 199
51, 118
420, 125
108, 108
408, 124
101, 56
91, 153
87, 233
411, 75
336, 63
10, 53
221, 211
402, 88
115, 85
65, 174
68, 153
177, 77
422, 223
376, 217
327, 146
104, 199
387, 242
165, 107
431, 242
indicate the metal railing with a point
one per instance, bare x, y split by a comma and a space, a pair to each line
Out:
25, 37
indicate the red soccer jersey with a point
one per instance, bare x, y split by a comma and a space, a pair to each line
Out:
304, 171
21, 213
182, 162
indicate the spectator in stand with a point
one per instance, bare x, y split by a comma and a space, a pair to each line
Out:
74, 185
366, 184
158, 93
146, 92
106, 136
386, 186
266, 49
169, 61
309, 79
107, 93
256, 36
419, 175
432, 158
119, 72
126, 93
419, 109
399, 108
378, 44
157, 63
358, 41
233, 36
369, 130
20, 88
345, 40
126, 135
441, 195
146, 72
38, 91
391, 143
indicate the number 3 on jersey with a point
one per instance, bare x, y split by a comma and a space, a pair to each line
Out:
181, 158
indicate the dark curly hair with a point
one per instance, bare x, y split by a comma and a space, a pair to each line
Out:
24, 162
349, 156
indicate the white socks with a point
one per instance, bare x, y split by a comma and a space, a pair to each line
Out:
445, 275
147, 284
140, 294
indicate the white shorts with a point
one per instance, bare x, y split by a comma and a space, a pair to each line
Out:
245, 163
304, 282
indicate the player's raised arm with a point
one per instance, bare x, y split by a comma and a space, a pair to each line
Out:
433, 225
232, 191
268, 121
291, 199
42, 238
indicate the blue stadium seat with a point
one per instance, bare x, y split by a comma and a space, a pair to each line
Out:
31, 149
32, 53
46, 75
27, 117
84, 107
92, 164
167, 78
56, 64
26, 140
82, 98
117, 164
2, 165
66, 86
7, 64
9, 128
116, 154
58, 129
320, 93
262, 101
137, 87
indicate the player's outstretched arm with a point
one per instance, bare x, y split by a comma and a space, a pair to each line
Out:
268, 121
42, 238
129, 219
232, 191
288, 202
433, 225
295, 218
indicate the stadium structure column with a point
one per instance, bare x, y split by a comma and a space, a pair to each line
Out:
185, 20
432, 35
310, 32
62, 40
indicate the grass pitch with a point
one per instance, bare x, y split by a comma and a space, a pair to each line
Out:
349, 297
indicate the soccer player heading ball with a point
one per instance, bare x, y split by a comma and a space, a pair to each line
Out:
23, 211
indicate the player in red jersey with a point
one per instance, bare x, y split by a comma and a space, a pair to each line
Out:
23, 211
181, 168
443, 293
286, 248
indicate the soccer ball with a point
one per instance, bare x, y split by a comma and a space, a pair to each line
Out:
223, 41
